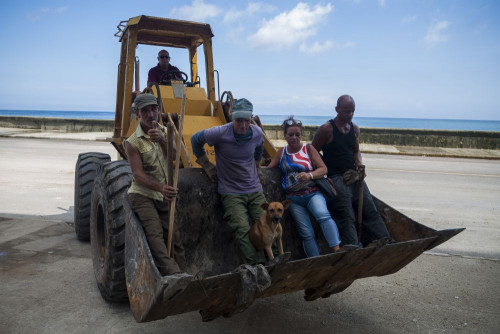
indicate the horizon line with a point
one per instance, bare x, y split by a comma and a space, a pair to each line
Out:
278, 114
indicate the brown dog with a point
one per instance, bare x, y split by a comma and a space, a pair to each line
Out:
268, 227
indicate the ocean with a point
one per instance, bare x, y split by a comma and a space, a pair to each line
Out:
368, 122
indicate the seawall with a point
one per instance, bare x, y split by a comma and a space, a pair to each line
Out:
402, 137
57, 124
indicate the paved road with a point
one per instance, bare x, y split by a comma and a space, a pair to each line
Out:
438, 192
48, 286
443, 193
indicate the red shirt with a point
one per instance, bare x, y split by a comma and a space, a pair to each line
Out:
156, 73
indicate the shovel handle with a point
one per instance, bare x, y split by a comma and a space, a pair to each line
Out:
360, 199
176, 176
170, 153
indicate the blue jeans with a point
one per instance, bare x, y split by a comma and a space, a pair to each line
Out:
315, 203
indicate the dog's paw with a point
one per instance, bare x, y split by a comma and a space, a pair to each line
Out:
280, 259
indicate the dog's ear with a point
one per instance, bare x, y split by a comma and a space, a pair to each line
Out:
264, 206
286, 203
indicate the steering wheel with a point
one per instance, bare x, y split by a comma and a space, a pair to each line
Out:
174, 72
227, 105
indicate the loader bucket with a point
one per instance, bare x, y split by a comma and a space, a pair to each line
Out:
211, 254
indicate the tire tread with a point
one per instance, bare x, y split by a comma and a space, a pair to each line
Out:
86, 169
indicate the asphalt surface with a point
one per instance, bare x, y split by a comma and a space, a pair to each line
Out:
47, 278
443, 193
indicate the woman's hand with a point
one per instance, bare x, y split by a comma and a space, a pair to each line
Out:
303, 176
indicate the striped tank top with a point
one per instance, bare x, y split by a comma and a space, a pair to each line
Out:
293, 164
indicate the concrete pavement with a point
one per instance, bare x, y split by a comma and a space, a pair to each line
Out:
48, 287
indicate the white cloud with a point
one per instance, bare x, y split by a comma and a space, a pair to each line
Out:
381, 3
197, 11
289, 28
345, 45
408, 19
37, 15
233, 14
253, 7
318, 47
34, 16
435, 32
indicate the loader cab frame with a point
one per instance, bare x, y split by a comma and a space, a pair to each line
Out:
169, 33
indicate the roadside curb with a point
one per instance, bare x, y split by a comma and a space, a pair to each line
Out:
53, 138
417, 151
434, 155
371, 149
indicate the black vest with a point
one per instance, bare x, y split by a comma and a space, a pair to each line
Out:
339, 154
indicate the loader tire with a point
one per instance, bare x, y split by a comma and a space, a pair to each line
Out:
108, 215
85, 172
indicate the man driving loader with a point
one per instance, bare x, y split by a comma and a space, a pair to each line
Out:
164, 71
149, 193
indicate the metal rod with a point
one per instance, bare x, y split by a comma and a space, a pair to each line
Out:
218, 87
137, 83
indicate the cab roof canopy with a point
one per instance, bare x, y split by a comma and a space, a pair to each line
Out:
167, 32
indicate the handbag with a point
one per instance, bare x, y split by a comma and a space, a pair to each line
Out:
325, 185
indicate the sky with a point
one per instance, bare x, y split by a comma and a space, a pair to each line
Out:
404, 58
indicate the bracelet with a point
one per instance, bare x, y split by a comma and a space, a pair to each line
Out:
312, 177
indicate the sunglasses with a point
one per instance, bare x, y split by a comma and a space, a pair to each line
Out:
290, 122
164, 57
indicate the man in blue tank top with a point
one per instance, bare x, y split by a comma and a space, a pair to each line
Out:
339, 141
238, 151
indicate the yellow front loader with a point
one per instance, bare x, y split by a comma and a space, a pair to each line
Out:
123, 266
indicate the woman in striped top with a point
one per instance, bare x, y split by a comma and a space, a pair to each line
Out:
300, 164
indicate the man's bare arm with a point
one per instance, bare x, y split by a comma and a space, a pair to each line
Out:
323, 136
276, 159
319, 166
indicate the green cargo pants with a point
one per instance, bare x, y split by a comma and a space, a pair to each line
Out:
237, 210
